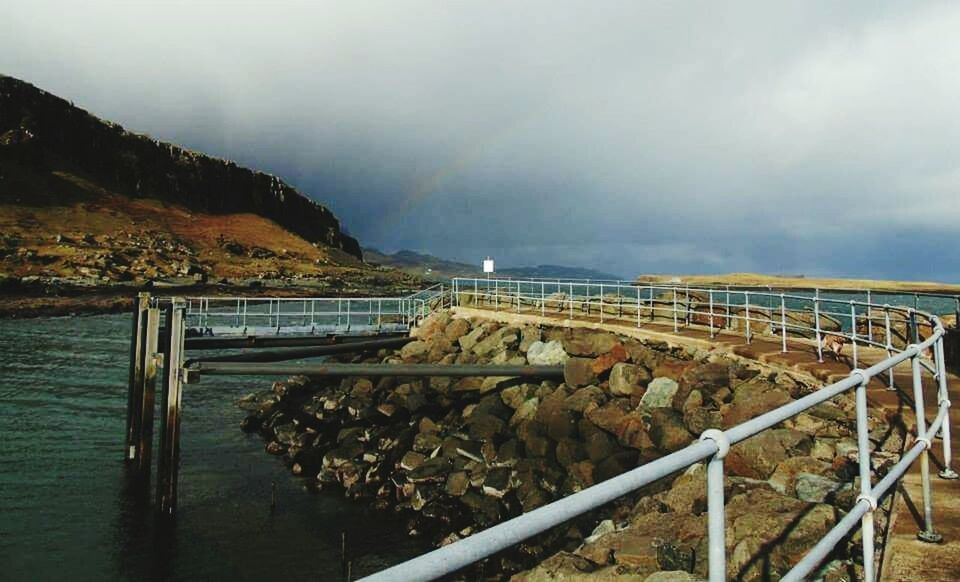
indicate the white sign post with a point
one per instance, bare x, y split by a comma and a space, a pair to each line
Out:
488, 266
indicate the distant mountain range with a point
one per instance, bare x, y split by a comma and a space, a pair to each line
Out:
435, 268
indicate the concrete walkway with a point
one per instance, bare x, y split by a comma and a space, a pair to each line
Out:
905, 557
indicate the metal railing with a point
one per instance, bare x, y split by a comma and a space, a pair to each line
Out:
311, 315
750, 310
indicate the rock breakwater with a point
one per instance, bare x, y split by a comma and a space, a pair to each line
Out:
459, 455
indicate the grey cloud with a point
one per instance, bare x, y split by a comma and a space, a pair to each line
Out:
813, 137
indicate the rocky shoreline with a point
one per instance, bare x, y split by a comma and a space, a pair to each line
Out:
29, 297
459, 455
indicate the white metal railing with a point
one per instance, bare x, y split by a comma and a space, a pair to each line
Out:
279, 315
749, 309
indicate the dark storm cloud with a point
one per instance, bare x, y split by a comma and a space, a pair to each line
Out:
814, 138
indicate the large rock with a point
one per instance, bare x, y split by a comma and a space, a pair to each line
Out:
497, 342
667, 429
628, 379
435, 324
579, 372
743, 409
529, 336
456, 329
558, 421
758, 456
768, 533
784, 478
592, 344
584, 397
467, 342
660, 393
606, 361
815, 488
546, 354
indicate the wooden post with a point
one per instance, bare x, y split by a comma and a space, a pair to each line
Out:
134, 390
144, 444
168, 462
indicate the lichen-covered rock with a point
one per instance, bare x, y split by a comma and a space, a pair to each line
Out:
628, 379
660, 393
546, 354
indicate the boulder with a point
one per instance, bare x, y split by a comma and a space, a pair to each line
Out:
579, 372
468, 341
660, 393
667, 429
628, 379
608, 417
558, 421
606, 361
584, 397
546, 354
497, 342
768, 533
633, 431
758, 456
784, 478
815, 488
529, 336
456, 329
414, 350
435, 324
592, 344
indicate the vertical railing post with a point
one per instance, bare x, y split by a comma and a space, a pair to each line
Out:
944, 400
601, 302
853, 322
866, 486
653, 316
746, 303
543, 299
729, 311
348, 314
927, 534
869, 316
889, 343
518, 296
710, 293
914, 328
638, 306
686, 307
571, 301
816, 323
716, 520
675, 310
168, 462
496, 294
783, 323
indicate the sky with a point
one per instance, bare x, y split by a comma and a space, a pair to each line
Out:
815, 138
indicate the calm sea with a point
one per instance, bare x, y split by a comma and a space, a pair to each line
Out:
64, 509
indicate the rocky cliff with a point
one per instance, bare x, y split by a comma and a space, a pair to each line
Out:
45, 133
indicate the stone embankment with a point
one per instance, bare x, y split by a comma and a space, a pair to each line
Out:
459, 455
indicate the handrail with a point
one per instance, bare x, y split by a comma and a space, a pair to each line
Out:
714, 444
